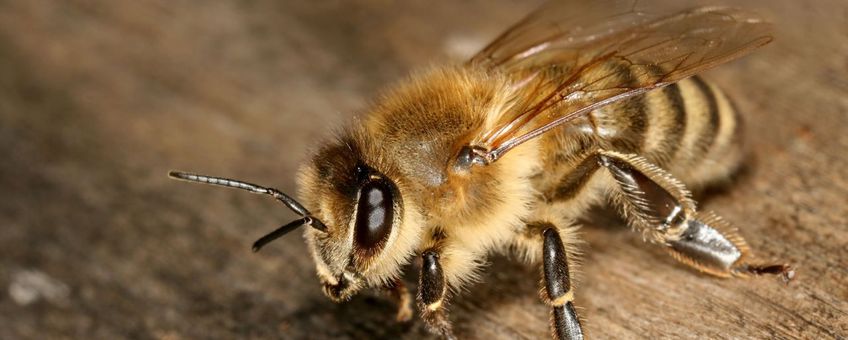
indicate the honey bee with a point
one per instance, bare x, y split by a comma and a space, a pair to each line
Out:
579, 104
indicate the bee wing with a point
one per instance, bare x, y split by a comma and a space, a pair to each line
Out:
611, 50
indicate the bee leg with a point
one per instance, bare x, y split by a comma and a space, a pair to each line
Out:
432, 292
558, 291
401, 295
659, 205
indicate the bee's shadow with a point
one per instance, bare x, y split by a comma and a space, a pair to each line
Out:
504, 283
369, 315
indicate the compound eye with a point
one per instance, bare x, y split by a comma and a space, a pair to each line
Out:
374, 214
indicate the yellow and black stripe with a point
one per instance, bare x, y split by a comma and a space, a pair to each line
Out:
689, 128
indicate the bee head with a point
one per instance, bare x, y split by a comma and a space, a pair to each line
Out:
359, 231
370, 229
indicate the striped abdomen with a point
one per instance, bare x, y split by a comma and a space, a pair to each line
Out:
689, 128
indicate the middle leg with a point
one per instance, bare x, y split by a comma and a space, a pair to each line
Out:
558, 288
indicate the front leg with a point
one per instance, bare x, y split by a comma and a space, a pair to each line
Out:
400, 294
660, 206
432, 293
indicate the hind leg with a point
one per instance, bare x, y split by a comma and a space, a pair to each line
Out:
657, 204
660, 207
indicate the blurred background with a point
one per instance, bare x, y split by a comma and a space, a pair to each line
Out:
99, 99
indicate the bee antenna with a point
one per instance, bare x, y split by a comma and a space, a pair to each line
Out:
280, 232
291, 203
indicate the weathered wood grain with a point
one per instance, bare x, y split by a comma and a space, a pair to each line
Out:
98, 99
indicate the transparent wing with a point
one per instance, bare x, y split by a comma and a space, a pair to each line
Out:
571, 57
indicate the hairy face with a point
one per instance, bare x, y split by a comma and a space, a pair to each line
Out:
360, 201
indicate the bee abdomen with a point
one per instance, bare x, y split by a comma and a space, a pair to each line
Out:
689, 128
709, 148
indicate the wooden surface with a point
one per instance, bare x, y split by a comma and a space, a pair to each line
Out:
98, 99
